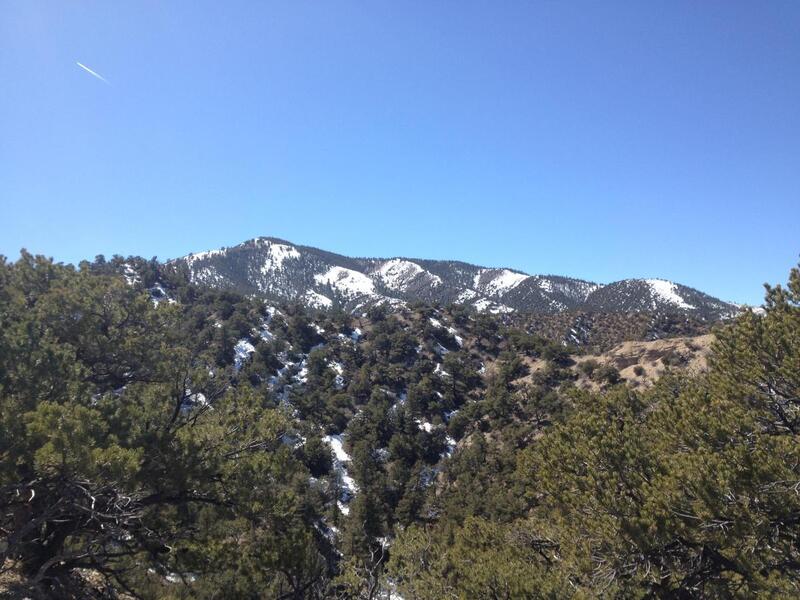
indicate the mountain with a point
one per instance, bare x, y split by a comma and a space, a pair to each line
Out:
278, 270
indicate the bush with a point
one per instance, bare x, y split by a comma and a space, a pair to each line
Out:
588, 367
607, 374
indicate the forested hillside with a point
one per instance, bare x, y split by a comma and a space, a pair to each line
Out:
159, 439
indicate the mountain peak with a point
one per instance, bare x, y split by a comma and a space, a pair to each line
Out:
280, 270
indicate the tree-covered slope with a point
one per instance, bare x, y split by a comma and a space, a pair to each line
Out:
161, 438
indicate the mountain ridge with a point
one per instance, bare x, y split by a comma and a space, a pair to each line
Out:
278, 269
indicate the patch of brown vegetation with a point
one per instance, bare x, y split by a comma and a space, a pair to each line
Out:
652, 358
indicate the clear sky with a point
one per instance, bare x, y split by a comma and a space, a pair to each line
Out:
600, 140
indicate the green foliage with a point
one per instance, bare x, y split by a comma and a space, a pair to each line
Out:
607, 374
480, 559
687, 490
110, 462
133, 446
588, 367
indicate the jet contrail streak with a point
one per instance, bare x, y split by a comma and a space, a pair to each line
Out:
88, 70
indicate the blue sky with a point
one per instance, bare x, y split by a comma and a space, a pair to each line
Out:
600, 140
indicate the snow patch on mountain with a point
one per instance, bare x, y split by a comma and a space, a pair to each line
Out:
207, 276
666, 291
346, 281
130, 274
336, 443
242, 351
486, 305
397, 273
276, 255
424, 426
195, 256
347, 483
337, 368
466, 295
317, 300
158, 295
501, 282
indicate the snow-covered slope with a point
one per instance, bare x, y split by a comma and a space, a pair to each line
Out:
279, 270
399, 275
657, 295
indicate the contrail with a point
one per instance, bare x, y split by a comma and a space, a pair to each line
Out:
95, 74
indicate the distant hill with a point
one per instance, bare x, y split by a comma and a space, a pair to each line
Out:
278, 270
